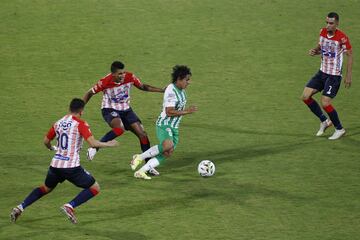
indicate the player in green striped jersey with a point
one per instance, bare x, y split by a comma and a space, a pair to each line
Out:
167, 124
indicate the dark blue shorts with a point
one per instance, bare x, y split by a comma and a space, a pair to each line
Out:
329, 84
77, 176
127, 117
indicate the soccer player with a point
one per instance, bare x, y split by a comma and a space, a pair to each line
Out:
332, 44
167, 124
115, 106
65, 165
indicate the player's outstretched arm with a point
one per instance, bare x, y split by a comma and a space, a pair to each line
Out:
348, 77
88, 95
171, 112
97, 144
149, 88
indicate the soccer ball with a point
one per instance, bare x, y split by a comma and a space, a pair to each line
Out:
206, 168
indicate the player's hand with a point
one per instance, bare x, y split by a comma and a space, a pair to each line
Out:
192, 109
112, 143
53, 148
347, 81
313, 52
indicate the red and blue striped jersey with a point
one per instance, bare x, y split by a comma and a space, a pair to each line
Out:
70, 133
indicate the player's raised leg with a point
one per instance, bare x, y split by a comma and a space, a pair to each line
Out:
138, 159
138, 129
314, 106
163, 150
117, 130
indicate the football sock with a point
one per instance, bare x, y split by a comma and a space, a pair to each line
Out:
152, 163
144, 143
330, 110
83, 196
151, 152
115, 132
315, 108
36, 194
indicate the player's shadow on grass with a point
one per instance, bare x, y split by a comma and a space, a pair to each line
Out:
217, 192
67, 230
229, 129
242, 153
352, 131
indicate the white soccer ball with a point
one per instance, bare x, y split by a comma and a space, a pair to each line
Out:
206, 168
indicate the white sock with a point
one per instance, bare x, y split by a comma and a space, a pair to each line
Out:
151, 152
152, 163
20, 207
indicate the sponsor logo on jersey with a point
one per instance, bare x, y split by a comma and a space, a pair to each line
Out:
65, 125
61, 157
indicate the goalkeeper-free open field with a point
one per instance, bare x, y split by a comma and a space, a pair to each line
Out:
274, 180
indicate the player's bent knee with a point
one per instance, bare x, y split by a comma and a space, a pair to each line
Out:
116, 123
303, 97
142, 135
95, 188
44, 189
167, 145
168, 153
325, 102
118, 131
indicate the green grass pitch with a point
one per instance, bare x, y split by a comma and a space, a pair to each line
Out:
274, 179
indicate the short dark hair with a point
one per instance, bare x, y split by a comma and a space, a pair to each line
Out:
76, 105
333, 15
180, 71
116, 65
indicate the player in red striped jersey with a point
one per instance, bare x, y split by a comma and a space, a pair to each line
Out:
333, 43
116, 108
70, 131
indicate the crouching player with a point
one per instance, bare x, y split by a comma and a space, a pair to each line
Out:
167, 124
65, 165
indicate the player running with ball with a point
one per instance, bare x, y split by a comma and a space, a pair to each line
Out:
167, 124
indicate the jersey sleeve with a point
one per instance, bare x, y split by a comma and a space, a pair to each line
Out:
99, 86
135, 80
102, 84
84, 130
169, 97
51, 133
345, 43
322, 33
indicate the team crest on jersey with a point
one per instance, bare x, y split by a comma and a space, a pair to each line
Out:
114, 114
180, 105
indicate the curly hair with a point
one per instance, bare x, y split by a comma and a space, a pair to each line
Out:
180, 72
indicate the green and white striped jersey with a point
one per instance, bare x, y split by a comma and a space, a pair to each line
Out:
173, 97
